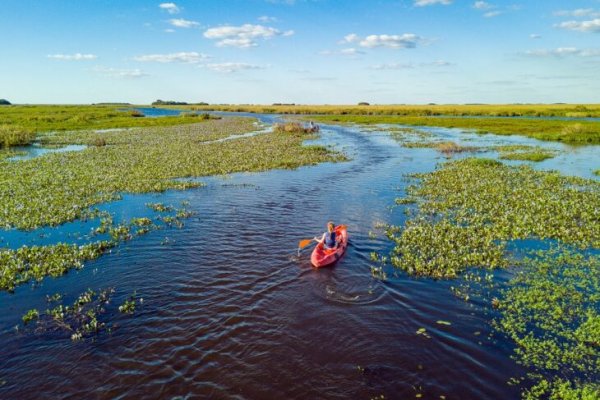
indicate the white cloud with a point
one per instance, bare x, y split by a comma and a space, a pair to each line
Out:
266, 19
491, 14
581, 26
491, 10
171, 8
482, 5
169, 30
73, 57
243, 36
120, 73
580, 12
407, 40
564, 52
191, 57
423, 3
229, 67
393, 66
350, 51
183, 23
396, 66
535, 36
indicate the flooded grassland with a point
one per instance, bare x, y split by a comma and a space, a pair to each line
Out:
473, 268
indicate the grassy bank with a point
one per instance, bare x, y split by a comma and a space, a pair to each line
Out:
19, 124
579, 132
488, 110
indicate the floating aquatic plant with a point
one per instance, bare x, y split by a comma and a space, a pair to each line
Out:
534, 154
470, 208
551, 312
61, 187
77, 321
584, 132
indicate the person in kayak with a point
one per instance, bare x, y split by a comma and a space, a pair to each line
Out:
328, 239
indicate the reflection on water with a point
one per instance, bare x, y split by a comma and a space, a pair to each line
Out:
36, 150
232, 311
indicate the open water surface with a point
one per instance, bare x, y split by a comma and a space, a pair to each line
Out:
231, 311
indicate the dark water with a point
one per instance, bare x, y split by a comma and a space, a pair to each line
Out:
230, 311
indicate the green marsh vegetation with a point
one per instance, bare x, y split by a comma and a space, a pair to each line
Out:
14, 136
534, 155
34, 263
469, 209
486, 110
580, 132
21, 123
86, 317
550, 310
466, 214
60, 187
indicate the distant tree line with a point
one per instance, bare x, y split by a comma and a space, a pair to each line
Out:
176, 103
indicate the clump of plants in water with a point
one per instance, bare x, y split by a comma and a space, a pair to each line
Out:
471, 208
524, 153
294, 127
586, 132
36, 262
468, 213
15, 136
86, 317
447, 148
550, 310
60, 187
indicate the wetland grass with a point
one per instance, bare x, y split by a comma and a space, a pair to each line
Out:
550, 311
294, 127
21, 123
34, 263
14, 136
536, 155
468, 211
487, 110
585, 132
61, 187
471, 208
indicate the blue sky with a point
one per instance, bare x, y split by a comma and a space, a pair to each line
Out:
300, 51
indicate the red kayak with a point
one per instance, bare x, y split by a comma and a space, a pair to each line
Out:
322, 257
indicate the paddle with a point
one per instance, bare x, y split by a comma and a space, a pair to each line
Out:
304, 243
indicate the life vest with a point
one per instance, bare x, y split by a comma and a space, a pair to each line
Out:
330, 239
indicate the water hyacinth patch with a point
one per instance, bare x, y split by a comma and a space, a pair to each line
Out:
77, 321
59, 187
551, 312
584, 132
535, 154
472, 207
36, 262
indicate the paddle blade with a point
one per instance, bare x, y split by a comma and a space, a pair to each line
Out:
304, 243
